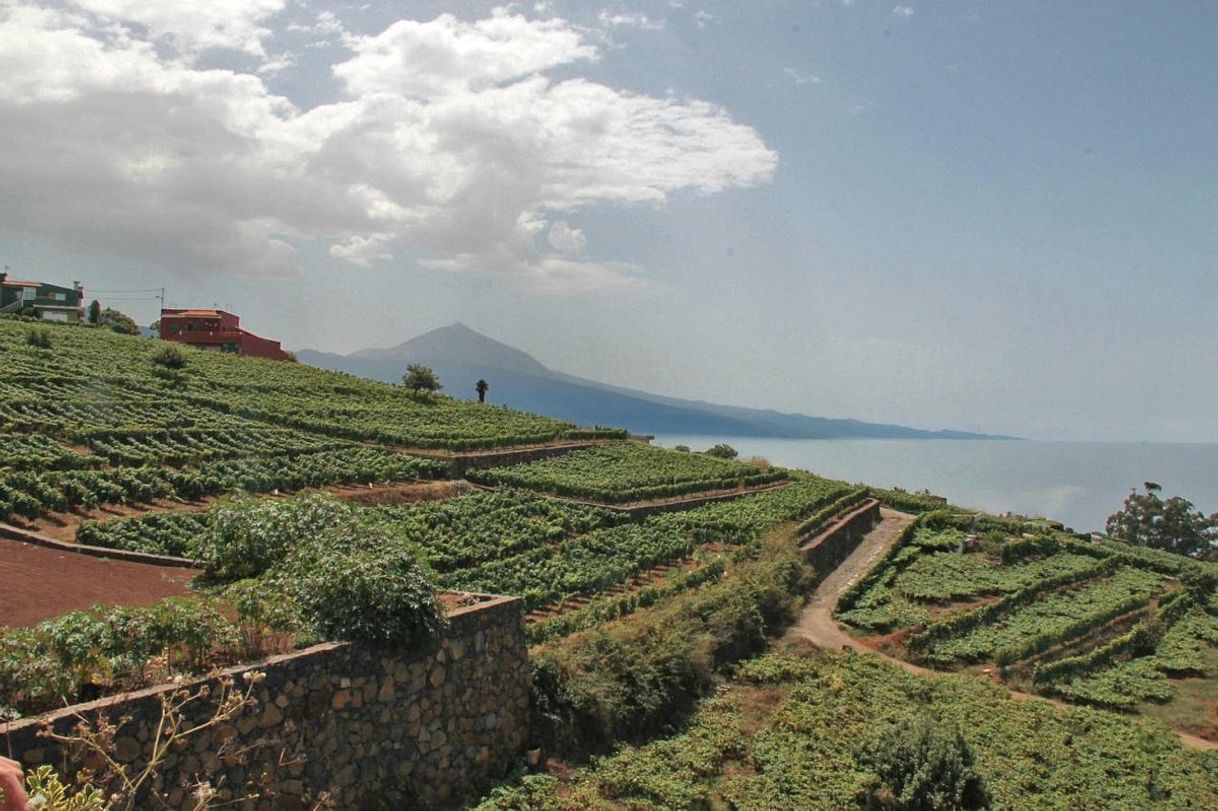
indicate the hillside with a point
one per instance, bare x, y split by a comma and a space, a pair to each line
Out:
462, 356
315, 506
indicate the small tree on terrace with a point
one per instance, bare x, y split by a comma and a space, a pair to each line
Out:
1172, 524
923, 767
421, 379
722, 451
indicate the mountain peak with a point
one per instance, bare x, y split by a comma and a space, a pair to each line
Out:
456, 343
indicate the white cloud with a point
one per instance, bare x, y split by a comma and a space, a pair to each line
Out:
565, 239
703, 17
437, 58
800, 78
629, 20
450, 143
903, 11
194, 26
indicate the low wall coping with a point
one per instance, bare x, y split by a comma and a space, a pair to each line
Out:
13, 533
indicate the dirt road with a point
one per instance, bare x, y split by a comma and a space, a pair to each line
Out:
817, 625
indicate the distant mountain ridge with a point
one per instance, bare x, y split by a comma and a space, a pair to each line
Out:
461, 356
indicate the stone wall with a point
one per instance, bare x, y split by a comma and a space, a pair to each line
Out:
828, 548
374, 729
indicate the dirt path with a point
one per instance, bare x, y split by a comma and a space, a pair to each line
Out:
817, 625
41, 583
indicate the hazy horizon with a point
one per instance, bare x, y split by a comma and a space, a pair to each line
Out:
953, 215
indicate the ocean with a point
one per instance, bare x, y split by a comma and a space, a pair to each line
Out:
1077, 483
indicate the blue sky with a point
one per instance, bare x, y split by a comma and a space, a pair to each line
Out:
995, 217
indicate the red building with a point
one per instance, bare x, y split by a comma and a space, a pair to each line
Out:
218, 331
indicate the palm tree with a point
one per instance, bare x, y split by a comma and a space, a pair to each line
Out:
481, 386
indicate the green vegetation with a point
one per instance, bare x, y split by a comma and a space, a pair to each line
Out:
642, 674
1101, 623
809, 730
1173, 525
628, 472
421, 379
106, 392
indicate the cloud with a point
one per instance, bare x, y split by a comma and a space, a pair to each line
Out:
800, 78
903, 11
194, 26
702, 18
448, 143
565, 239
629, 20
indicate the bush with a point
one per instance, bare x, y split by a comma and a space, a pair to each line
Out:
362, 582
39, 337
921, 766
643, 674
722, 451
170, 357
248, 536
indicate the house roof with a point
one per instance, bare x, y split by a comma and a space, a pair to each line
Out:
22, 283
193, 313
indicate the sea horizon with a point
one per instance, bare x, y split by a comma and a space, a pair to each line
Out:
1077, 482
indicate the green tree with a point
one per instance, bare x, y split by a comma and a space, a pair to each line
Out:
723, 451
922, 767
1173, 524
117, 321
94, 311
481, 387
421, 379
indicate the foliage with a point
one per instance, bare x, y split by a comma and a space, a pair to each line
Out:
363, 582
245, 536
627, 472
39, 337
786, 733
170, 357
1173, 524
722, 451
923, 766
47, 792
421, 379
61, 658
118, 322
94, 311
638, 675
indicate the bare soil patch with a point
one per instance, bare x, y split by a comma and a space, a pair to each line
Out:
39, 583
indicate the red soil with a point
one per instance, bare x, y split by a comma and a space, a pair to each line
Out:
37, 582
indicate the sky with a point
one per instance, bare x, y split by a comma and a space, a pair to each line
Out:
998, 217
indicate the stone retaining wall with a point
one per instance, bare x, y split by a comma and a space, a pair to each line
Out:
827, 549
374, 729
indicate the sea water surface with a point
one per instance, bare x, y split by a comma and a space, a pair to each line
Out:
1077, 483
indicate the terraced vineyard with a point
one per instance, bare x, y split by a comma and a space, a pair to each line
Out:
801, 729
94, 420
629, 472
514, 542
1093, 622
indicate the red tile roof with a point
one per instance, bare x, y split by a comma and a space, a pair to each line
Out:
193, 314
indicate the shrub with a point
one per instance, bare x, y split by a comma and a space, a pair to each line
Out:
248, 536
722, 451
170, 357
643, 674
39, 337
362, 582
922, 766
